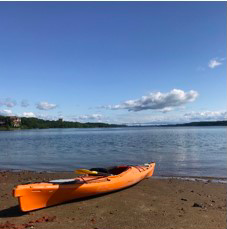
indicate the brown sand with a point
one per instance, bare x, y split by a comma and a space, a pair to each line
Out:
153, 203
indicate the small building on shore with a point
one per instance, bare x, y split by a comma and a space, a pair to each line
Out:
12, 121
15, 121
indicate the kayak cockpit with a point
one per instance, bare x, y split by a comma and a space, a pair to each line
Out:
116, 170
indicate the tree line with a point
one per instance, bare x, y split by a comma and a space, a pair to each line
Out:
36, 123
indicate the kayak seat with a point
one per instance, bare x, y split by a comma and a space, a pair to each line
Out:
101, 170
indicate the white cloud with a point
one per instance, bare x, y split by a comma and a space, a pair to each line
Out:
166, 109
135, 118
24, 103
89, 117
8, 102
157, 101
206, 116
214, 63
45, 106
28, 114
6, 112
46, 117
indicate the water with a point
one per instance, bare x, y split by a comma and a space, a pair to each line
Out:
179, 151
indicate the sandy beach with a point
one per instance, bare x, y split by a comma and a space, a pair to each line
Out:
153, 203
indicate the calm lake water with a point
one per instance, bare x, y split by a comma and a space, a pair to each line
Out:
179, 151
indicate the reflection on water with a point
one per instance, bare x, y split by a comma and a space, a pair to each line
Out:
191, 151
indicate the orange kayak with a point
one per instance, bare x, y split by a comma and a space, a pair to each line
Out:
39, 195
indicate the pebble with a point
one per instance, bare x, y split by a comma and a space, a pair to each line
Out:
196, 205
93, 220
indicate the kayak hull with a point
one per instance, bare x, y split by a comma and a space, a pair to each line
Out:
40, 195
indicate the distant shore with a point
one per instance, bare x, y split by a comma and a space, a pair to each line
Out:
190, 124
35, 123
153, 203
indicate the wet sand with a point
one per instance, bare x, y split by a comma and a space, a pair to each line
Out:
153, 203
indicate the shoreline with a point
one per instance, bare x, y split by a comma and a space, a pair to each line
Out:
191, 124
153, 203
211, 179
222, 180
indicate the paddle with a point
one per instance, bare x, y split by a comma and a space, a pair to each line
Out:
86, 171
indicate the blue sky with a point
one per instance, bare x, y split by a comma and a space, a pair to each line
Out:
117, 62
